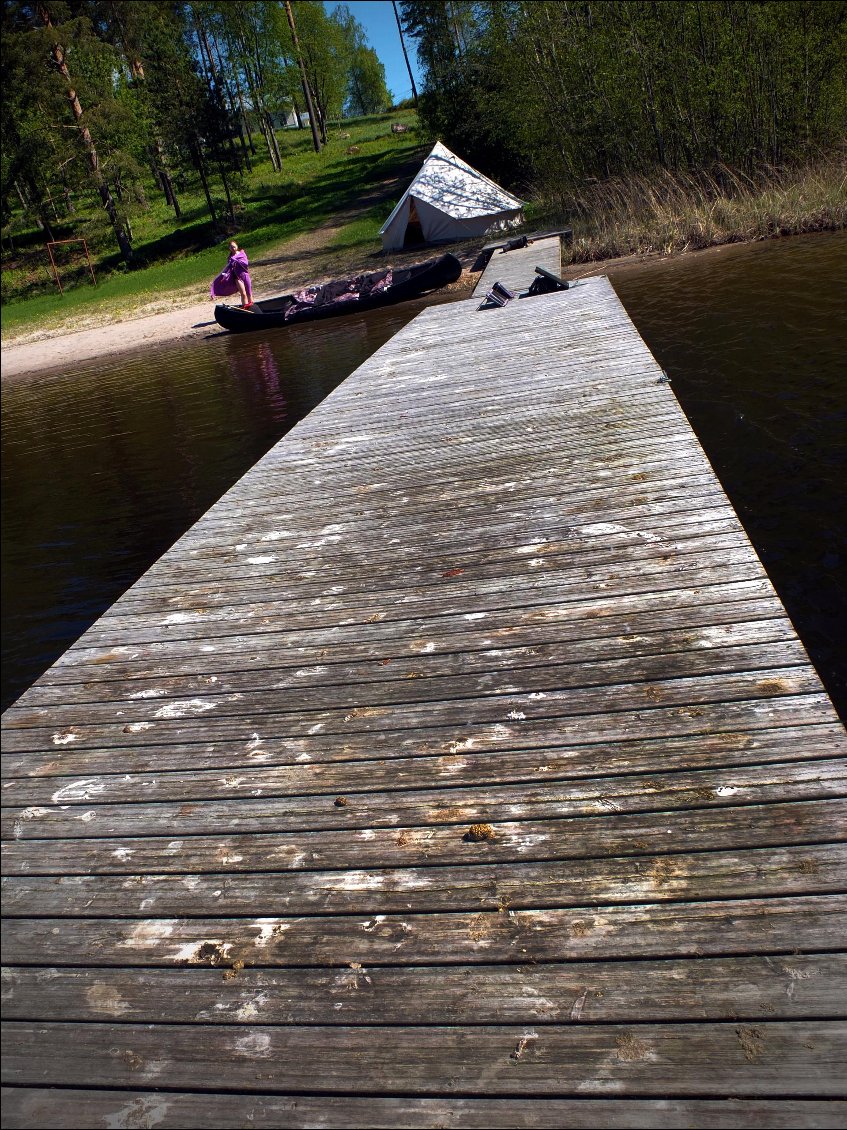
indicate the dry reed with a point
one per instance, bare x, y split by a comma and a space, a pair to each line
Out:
669, 212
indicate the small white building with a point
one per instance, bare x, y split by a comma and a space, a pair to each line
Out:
288, 120
448, 200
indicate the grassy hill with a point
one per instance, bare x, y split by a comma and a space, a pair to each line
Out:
320, 212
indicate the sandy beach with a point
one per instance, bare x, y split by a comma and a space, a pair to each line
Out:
185, 321
196, 320
119, 337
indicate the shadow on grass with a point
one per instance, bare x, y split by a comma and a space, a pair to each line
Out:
344, 188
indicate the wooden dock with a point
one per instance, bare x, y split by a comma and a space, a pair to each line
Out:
516, 269
459, 768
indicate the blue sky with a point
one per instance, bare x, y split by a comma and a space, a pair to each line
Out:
377, 18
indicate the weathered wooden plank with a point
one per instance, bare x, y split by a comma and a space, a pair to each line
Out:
189, 719
700, 929
516, 268
306, 466
593, 544
579, 837
588, 453
505, 529
639, 456
507, 887
233, 618
619, 405
386, 805
802, 986
409, 683
550, 583
304, 668
770, 1058
595, 526
75, 1109
488, 249
616, 364
361, 456
638, 452
654, 463
580, 492
694, 737
639, 580
604, 615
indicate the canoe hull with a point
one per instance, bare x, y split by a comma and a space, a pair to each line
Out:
409, 282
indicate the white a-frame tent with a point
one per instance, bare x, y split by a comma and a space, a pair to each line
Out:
448, 200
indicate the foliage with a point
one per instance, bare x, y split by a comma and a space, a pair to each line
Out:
164, 89
180, 259
367, 89
367, 92
559, 93
172, 144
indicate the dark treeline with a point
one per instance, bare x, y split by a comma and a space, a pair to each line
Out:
559, 93
112, 99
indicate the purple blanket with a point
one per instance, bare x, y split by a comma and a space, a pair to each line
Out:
344, 290
226, 284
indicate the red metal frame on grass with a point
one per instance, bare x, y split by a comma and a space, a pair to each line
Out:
55, 243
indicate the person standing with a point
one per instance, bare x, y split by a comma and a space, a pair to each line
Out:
234, 278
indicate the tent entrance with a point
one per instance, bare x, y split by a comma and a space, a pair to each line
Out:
414, 229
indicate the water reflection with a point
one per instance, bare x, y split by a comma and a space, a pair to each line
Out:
254, 372
107, 464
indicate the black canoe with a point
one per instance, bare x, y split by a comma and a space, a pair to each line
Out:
342, 296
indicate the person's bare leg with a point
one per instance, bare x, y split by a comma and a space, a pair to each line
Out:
242, 290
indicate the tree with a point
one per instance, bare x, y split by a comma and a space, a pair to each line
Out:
324, 49
129, 26
304, 76
35, 153
251, 33
405, 53
555, 93
52, 41
367, 92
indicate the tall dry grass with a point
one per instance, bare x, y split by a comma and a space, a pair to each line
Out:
670, 212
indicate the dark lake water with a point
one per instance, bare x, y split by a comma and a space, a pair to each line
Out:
106, 465
754, 339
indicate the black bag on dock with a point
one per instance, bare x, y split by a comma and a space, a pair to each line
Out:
546, 283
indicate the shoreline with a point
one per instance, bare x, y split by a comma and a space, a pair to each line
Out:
196, 320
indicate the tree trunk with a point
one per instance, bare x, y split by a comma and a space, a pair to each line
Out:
33, 202
236, 109
405, 56
217, 85
201, 169
58, 54
250, 149
259, 107
272, 138
229, 207
238, 91
307, 93
297, 113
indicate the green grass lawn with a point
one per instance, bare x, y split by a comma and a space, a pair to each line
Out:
181, 257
